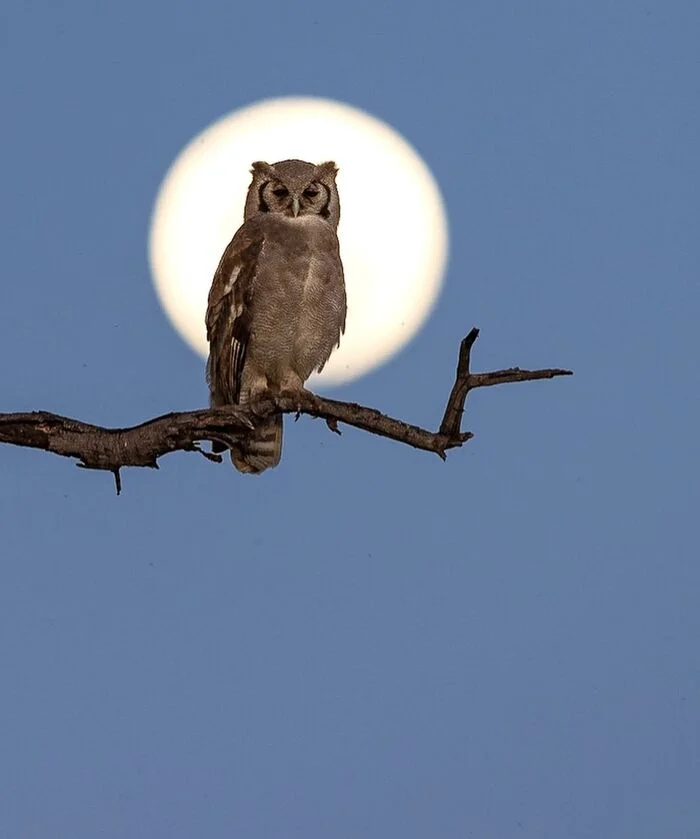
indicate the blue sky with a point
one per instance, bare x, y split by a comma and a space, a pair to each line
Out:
366, 641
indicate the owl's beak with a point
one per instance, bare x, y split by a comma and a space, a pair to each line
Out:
295, 207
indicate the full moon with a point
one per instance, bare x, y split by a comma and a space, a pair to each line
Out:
393, 226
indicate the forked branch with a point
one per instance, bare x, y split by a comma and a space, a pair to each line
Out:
110, 449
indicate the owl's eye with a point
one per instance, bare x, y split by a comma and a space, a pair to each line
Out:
280, 191
310, 192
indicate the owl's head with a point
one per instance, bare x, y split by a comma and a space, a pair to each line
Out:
294, 188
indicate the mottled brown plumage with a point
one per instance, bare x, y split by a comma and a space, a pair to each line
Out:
277, 303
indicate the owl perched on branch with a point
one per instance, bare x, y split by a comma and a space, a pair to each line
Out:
277, 302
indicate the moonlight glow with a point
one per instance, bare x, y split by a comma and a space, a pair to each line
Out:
393, 229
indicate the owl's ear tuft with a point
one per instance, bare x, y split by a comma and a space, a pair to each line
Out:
260, 167
327, 169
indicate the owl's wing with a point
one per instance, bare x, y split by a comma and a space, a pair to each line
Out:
335, 326
228, 313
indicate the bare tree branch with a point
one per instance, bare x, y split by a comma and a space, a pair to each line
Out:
110, 449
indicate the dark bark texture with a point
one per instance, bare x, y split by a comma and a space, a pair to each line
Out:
110, 449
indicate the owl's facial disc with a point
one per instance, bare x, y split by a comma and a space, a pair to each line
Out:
298, 199
276, 198
314, 199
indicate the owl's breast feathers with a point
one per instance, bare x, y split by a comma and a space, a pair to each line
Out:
277, 303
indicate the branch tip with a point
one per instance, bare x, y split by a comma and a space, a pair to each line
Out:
333, 425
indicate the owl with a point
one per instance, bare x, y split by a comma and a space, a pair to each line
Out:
277, 302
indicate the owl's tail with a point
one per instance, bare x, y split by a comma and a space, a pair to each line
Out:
260, 449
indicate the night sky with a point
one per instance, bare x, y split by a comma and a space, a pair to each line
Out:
365, 642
